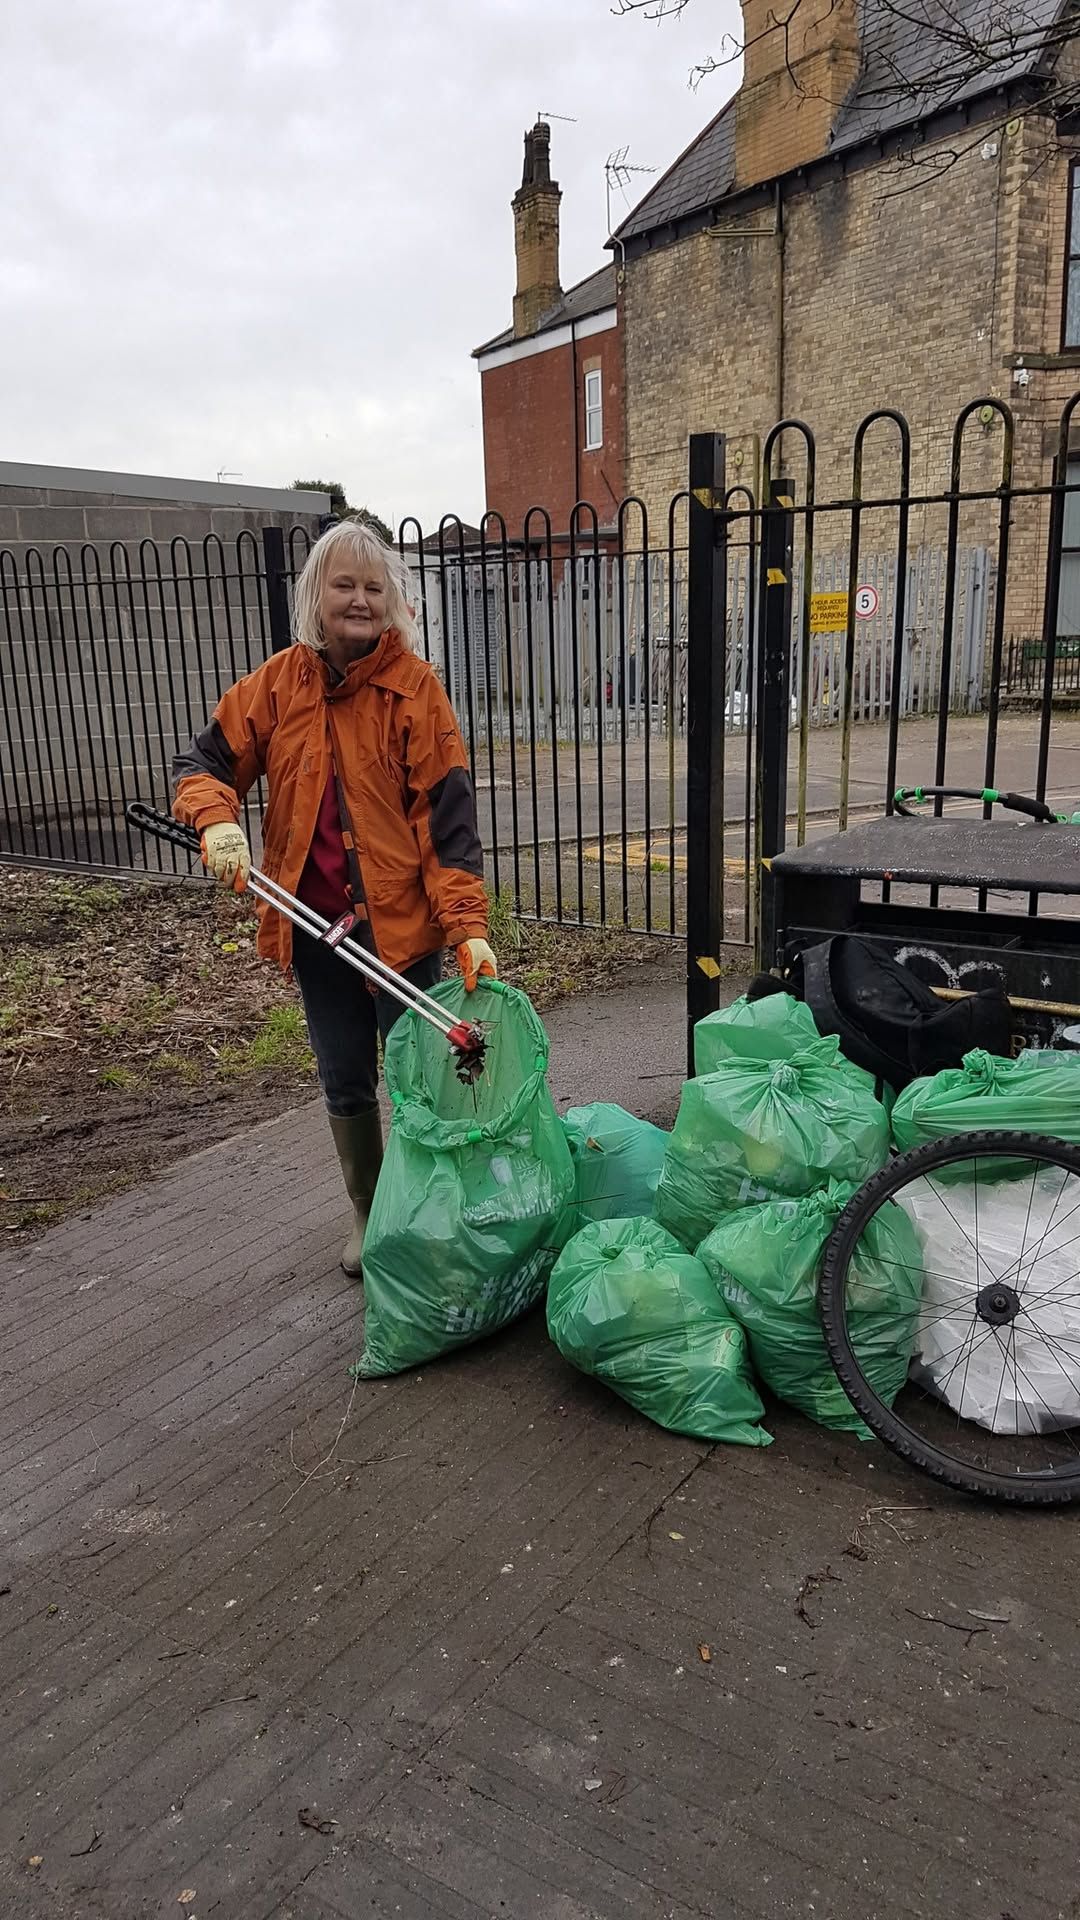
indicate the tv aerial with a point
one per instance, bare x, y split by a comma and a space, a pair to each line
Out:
618, 171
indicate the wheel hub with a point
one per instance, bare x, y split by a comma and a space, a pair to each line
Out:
997, 1304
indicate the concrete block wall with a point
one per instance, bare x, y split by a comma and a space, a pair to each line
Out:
122, 618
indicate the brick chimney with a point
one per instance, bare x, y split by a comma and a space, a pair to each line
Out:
536, 234
794, 83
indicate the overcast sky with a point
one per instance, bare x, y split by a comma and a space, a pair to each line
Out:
265, 235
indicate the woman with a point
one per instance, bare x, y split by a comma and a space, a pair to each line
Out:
370, 807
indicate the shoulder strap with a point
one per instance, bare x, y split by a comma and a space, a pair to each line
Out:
357, 896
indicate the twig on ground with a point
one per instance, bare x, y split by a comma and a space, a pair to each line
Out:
957, 1626
809, 1587
326, 1459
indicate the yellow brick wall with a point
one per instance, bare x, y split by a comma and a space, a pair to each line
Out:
896, 294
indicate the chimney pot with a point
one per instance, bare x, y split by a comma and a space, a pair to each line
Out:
536, 234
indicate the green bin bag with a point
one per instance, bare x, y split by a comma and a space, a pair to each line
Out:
772, 1028
765, 1261
756, 1129
627, 1304
1036, 1093
617, 1161
464, 1226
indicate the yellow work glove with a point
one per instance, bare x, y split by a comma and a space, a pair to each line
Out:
475, 958
226, 854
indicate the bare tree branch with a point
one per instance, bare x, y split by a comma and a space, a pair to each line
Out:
925, 55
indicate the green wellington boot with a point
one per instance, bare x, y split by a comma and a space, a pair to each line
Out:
358, 1139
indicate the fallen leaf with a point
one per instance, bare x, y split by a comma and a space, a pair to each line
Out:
593, 1786
35, 1860
676, 1536
229, 946
185, 1897
705, 1653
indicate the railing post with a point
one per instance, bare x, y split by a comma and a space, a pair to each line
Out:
277, 592
773, 705
705, 697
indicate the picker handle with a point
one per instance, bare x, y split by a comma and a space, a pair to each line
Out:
162, 826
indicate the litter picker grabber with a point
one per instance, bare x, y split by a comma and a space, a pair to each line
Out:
467, 1040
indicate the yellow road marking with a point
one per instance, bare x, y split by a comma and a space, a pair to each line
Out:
637, 855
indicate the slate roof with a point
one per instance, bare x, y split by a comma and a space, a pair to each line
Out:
578, 303
911, 69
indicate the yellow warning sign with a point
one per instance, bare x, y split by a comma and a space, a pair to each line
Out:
828, 612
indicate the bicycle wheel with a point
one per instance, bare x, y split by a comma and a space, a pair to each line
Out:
992, 1402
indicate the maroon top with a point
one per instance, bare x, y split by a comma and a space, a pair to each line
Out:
324, 883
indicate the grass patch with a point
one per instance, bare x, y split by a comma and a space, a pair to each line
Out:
280, 1045
118, 1079
177, 1066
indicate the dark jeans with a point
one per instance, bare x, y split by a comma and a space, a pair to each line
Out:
345, 1021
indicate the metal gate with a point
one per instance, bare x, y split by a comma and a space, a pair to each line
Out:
938, 619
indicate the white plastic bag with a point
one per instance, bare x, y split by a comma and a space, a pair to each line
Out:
1022, 1376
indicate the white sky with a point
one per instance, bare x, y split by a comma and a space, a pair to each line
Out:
265, 235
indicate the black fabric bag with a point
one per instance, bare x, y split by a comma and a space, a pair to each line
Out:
885, 1018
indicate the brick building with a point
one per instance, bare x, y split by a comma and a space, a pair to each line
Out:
862, 227
552, 383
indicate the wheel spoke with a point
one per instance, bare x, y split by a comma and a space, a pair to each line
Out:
1041, 1242
974, 1348
963, 1384
1053, 1292
958, 1224
1050, 1253
931, 1273
1001, 1382
1027, 1218
1033, 1389
1069, 1381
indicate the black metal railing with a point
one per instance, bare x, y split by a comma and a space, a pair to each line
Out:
564, 654
592, 663
1025, 667
1003, 562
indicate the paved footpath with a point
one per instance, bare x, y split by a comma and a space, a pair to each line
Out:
508, 1651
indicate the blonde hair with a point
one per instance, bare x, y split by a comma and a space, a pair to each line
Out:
358, 542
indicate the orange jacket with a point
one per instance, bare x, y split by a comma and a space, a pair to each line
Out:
404, 771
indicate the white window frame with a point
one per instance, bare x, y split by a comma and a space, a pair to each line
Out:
594, 410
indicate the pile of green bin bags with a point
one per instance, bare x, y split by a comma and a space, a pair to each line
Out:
674, 1265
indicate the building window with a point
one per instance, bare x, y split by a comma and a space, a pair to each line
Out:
1070, 336
594, 401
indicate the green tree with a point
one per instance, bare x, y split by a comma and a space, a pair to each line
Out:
341, 509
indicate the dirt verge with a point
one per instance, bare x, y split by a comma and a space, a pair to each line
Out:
137, 1024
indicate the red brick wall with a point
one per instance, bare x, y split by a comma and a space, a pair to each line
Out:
529, 433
